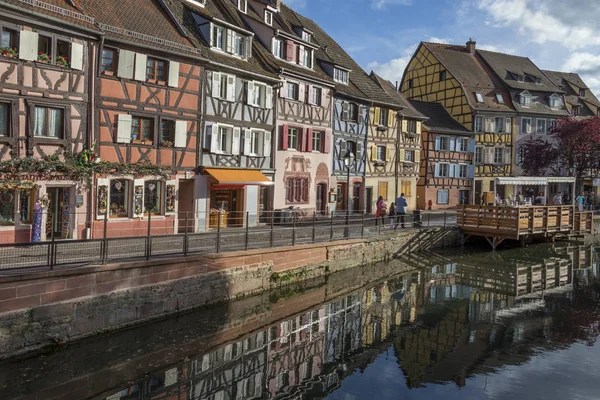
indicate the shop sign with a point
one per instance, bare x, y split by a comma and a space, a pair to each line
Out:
79, 200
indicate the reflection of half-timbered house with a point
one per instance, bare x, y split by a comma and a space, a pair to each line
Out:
303, 159
447, 169
44, 94
236, 151
458, 78
408, 143
147, 113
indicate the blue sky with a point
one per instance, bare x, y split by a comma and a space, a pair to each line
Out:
383, 34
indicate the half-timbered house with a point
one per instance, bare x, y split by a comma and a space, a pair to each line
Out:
459, 79
45, 57
304, 106
147, 102
408, 143
446, 168
235, 181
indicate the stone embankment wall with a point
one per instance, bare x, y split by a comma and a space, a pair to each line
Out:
41, 309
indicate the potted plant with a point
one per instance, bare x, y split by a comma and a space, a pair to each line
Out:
63, 61
45, 58
147, 142
8, 52
166, 143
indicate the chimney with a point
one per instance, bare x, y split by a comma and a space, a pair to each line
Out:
471, 46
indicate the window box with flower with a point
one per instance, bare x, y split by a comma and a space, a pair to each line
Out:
8, 52
166, 143
44, 57
63, 62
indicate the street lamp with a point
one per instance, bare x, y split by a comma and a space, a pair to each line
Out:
348, 162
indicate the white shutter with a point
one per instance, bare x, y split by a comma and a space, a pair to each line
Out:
323, 96
302, 92
180, 134
140, 66
230, 87
28, 45
124, 128
77, 56
126, 61
216, 84
267, 144
508, 125
214, 142
452, 172
437, 170
507, 156
301, 56
235, 141
247, 141
173, 74
139, 182
229, 41
251, 94
269, 97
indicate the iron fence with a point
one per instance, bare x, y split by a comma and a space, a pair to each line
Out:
130, 242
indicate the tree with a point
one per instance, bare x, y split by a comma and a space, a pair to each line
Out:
538, 157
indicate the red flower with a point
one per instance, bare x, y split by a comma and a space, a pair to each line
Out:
41, 52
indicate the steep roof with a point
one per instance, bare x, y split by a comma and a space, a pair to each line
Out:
409, 110
183, 11
572, 84
473, 74
440, 121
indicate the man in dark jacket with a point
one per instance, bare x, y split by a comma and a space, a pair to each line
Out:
401, 205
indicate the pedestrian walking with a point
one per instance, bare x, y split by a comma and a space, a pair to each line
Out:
580, 201
392, 214
381, 211
401, 205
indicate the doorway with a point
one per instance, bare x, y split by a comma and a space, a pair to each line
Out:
478, 193
342, 194
356, 189
321, 198
463, 197
369, 200
60, 214
186, 206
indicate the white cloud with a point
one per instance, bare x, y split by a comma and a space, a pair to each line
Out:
434, 39
588, 66
394, 69
380, 4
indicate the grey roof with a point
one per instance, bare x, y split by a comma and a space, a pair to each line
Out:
474, 76
440, 121
572, 84
409, 110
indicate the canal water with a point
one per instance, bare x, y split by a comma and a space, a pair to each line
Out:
516, 324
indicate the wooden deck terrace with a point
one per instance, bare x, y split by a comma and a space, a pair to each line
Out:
498, 223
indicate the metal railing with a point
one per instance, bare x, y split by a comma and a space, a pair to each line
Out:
118, 240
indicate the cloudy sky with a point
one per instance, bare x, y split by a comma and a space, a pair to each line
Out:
382, 34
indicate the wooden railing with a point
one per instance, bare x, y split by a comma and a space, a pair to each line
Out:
513, 222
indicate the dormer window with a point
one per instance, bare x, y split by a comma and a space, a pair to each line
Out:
306, 36
525, 99
243, 5
555, 101
499, 98
218, 38
582, 93
229, 41
575, 111
520, 78
341, 76
278, 49
479, 97
305, 57
268, 17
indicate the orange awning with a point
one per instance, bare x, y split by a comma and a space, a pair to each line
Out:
239, 177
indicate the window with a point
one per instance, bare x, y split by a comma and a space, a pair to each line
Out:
341, 76
383, 190
478, 155
307, 58
260, 94
63, 49
297, 190
444, 170
142, 128
306, 36
411, 126
499, 155
239, 44
8, 39
25, 205
108, 62
554, 102
575, 110
351, 147
525, 125
444, 143
443, 196
490, 124
352, 112
155, 69
499, 125
293, 138
218, 37
45, 45
316, 140
383, 117
411, 83
463, 171
278, 48
582, 93
479, 97
224, 133
7, 207
22, 199
520, 155
409, 155
268, 17
4, 119
520, 78
499, 98
119, 198
316, 96
443, 76
292, 91
462, 145
152, 197
167, 131
223, 86
243, 5
48, 122
381, 153
255, 143
541, 126
525, 99
478, 124
551, 126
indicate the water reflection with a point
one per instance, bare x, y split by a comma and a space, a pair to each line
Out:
449, 318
